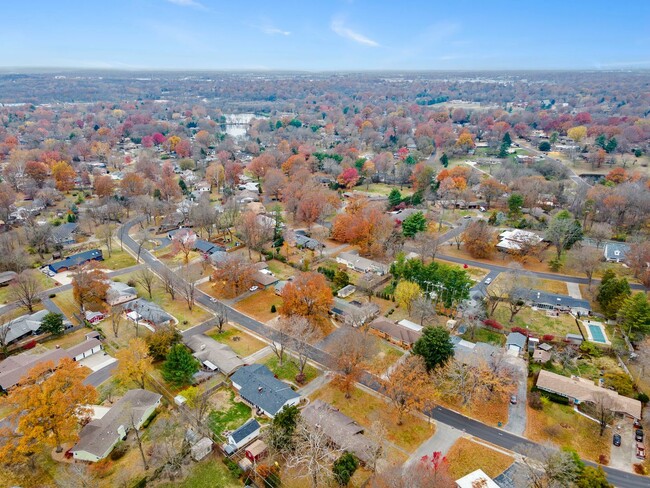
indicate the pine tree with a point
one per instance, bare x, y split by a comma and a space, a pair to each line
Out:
180, 366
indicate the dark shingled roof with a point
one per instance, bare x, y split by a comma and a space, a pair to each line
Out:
76, 260
259, 387
245, 430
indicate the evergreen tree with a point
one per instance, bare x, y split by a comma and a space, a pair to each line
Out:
507, 140
280, 432
344, 468
515, 203
444, 160
434, 346
611, 292
635, 314
394, 198
413, 224
53, 323
180, 366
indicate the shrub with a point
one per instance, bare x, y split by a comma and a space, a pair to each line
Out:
640, 469
603, 459
131, 283
535, 400
493, 324
30, 345
273, 309
521, 330
119, 451
555, 398
146, 423
232, 466
52, 295
643, 397
548, 337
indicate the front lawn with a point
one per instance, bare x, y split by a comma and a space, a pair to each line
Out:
66, 302
45, 281
466, 456
537, 321
562, 426
289, 369
230, 415
242, 343
208, 473
258, 305
385, 357
118, 260
366, 408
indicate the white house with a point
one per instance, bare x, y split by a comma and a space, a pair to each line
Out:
244, 435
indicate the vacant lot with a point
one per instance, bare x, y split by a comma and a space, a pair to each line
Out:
385, 358
537, 321
242, 343
466, 456
366, 408
258, 305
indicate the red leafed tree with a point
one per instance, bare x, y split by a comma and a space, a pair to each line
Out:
348, 178
183, 149
158, 138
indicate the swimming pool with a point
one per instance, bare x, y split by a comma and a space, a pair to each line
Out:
597, 333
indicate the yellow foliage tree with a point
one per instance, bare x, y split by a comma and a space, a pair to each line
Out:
577, 133
465, 140
406, 292
45, 409
134, 363
64, 176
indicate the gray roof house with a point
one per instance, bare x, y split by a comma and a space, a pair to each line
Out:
119, 292
23, 326
6, 277
360, 264
243, 435
14, 368
214, 355
615, 252
307, 242
98, 438
562, 303
147, 311
64, 233
516, 341
258, 387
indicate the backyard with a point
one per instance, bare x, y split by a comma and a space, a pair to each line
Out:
466, 456
228, 413
537, 321
484, 334
208, 473
118, 259
241, 342
385, 358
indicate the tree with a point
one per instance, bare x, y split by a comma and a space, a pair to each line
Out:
221, 316
233, 276
308, 296
183, 242
134, 363
427, 245
593, 477
409, 387
187, 285
444, 160
302, 333
492, 190
7, 200
480, 240
577, 133
351, 351
434, 346
394, 198
547, 467
180, 366
199, 403
611, 293
64, 176
146, 279
116, 318
169, 282
53, 323
104, 186
280, 432
344, 468
274, 182
423, 309
413, 224
637, 258
586, 260
406, 292
544, 146
161, 341
254, 231
563, 231
348, 178
634, 315
600, 231
428, 471
44, 409
89, 286
25, 288
515, 203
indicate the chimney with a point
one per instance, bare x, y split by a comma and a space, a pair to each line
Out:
259, 389
202, 347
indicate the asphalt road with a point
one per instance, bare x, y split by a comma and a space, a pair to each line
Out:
490, 434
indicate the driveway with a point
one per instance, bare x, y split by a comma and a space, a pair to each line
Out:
517, 413
441, 441
97, 361
624, 456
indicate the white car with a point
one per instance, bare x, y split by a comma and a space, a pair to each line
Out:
213, 300
488, 281
254, 288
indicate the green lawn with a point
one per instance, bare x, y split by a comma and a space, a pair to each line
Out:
485, 335
210, 473
234, 415
119, 259
289, 369
45, 281
242, 343
537, 321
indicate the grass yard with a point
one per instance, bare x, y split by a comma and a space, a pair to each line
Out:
169, 258
466, 456
383, 189
563, 427
119, 259
289, 369
490, 413
483, 334
208, 473
550, 286
281, 270
231, 414
537, 321
67, 340
385, 357
258, 305
45, 281
366, 408
65, 301
242, 343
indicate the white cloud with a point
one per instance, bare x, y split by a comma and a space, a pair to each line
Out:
339, 28
188, 3
272, 31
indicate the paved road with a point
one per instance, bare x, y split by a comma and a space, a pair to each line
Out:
445, 416
572, 175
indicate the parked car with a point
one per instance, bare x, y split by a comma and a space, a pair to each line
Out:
254, 288
640, 450
637, 424
638, 435
488, 281
213, 299
513, 399
616, 440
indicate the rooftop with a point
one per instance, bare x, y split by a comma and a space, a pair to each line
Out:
260, 388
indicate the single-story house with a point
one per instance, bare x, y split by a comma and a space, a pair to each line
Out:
119, 293
303, 241
279, 286
410, 325
86, 349
580, 390
64, 233
615, 252
516, 341
94, 317
98, 438
206, 247
264, 280
76, 260
340, 429
401, 215
258, 387
218, 257
214, 355
392, 332
360, 264
476, 479
346, 291
148, 312
7, 277
243, 435
362, 313
513, 240
559, 303
202, 186
23, 326
473, 354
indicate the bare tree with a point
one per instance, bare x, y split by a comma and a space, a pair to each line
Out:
4, 332
169, 447
586, 260
187, 285
600, 232
302, 333
423, 308
426, 245
567, 355
351, 351
146, 279
221, 316
75, 476
105, 233
25, 288
365, 285
169, 282
116, 319
603, 405
281, 338
138, 440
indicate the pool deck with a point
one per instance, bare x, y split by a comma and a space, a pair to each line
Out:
588, 324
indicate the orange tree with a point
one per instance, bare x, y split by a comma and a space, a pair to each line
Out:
308, 296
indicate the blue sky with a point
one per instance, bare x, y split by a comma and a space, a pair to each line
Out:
326, 34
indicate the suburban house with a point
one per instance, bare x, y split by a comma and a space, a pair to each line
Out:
23, 326
204, 247
258, 387
473, 354
306, 242
279, 287
202, 186
346, 291
14, 368
615, 252
392, 332
98, 438
76, 260
514, 240
401, 215
581, 390
94, 317
476, 479
355, 310
214, 355
558, 303
141, 310
264, 280
218, 257
362, 265
242, 436
119, 293
64, 234
516, 342
7, 277
340, 429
